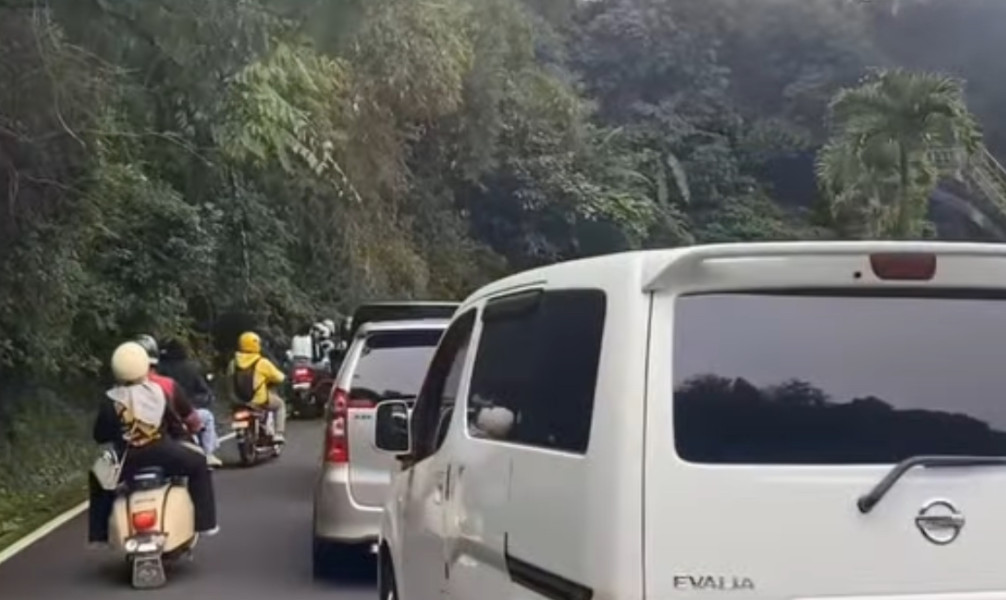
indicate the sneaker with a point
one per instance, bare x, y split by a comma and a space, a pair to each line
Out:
213, 461
210, 532
279, 438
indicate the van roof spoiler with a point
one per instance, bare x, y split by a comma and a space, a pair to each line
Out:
686, 260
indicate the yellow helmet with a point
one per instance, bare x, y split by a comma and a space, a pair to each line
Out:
250, 342
130, 363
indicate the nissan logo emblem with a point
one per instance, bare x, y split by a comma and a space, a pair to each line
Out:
940, 522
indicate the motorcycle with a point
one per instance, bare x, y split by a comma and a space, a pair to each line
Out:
152, 523
308, 390
254, 431
302, 401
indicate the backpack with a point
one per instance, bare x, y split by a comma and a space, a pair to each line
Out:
244, 382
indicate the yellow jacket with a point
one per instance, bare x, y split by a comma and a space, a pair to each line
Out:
266, 374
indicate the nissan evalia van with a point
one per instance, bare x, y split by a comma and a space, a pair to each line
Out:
800, 420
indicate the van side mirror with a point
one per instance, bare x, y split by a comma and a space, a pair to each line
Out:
392, 433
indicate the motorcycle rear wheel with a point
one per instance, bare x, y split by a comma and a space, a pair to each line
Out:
246, 451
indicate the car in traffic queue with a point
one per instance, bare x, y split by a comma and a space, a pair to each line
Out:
765, 421
386, 360
394, 311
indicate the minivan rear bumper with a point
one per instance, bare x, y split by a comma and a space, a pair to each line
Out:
337, 517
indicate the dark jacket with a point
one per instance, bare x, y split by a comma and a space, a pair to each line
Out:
190, 377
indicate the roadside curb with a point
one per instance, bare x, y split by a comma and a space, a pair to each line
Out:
55, 523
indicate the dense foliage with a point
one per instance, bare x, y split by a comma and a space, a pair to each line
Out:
196, 166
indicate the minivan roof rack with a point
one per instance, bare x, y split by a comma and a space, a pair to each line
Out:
685, 260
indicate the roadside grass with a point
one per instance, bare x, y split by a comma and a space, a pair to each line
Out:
23, 514
45, 451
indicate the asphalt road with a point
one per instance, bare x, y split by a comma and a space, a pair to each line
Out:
263, 550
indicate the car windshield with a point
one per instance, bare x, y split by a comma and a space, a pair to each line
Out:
831, 380
392, 364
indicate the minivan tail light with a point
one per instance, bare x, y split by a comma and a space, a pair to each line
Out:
903, 266
336, 442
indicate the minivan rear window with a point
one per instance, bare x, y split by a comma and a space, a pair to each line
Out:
817, 379
392, 364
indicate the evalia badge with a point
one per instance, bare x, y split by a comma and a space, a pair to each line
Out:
712, 583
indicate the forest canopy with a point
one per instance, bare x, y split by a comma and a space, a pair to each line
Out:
196, 167
165, 164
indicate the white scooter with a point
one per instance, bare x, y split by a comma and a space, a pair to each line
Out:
152, 523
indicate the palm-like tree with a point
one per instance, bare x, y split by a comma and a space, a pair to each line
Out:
879, 162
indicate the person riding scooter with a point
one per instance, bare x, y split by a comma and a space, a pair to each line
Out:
187, 373
177, 395
135, 417
253, 378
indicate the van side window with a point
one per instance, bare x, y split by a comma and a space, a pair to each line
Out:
536, 369
435, 404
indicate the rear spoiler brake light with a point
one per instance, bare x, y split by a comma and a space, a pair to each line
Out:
691, 259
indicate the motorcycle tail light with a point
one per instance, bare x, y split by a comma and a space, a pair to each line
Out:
144, 520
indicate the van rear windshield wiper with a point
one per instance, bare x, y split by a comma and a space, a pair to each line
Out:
868, 501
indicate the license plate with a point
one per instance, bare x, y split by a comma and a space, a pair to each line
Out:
302, 386
145, 544
239, 425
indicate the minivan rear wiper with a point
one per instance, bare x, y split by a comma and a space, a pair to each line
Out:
866, 502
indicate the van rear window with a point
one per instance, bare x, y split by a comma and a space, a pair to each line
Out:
811, 379
392, 364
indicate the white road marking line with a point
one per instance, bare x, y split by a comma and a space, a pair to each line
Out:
53, 524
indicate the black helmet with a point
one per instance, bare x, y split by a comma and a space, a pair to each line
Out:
150, 345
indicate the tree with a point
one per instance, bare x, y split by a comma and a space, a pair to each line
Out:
878, 164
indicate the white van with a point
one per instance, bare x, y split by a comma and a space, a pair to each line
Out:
728, 421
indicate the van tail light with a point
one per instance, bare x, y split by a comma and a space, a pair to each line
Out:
336, 442
144, 520
904, 266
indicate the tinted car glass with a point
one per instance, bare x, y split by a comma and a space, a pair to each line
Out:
538, 357
393, 364
809, 379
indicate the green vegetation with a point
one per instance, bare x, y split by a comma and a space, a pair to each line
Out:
196, 167
879, 166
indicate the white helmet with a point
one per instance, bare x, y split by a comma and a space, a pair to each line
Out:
130, 363
330, 325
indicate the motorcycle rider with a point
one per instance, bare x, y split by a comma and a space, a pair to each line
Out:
264, 377
175, 393
176, 364
302, 346
136, 418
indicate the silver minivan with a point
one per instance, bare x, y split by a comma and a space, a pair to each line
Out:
386, 360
